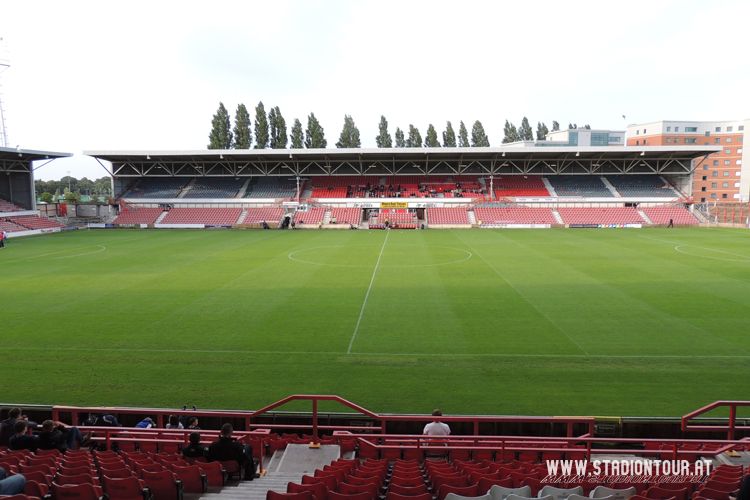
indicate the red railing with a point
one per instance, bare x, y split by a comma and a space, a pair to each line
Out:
381, 419
730, 426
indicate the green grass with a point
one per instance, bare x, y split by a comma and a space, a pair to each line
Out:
538, 322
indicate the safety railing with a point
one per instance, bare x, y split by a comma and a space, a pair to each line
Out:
730, 427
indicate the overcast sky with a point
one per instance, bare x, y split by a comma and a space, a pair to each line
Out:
149, 75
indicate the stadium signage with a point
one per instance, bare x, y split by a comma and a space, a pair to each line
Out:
630, 471
394, 204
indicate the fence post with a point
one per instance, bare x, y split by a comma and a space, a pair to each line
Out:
732, 417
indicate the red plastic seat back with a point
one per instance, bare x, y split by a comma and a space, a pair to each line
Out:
464, 491
319, 490
395, 496
126, 488
192, 478
84, 491
303, 495
333, 495
163, 484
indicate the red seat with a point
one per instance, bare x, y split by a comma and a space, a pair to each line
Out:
126, 488
333, 495
330, 481
453, 480
216, 475
20, 496
660, 493
351, 489
319, 490
44, 469
407, 491
192, 477
395, 496
85, 491
35, 489
465, 491
117, 473
303, 495
164, 485
362, 480
39, 477
77, 479
714, 494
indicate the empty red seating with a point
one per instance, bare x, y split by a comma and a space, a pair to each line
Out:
519, 186
127, 488
192, 477
602, 216
208, 216
449, 216
313, 216
395, 496
346, 216
85, 491
35, 222
6, 206
138, 215
164, 485
319, 490
334, 495
216, 476
302, 495
270, 215
488, 216
395, 218
680, 216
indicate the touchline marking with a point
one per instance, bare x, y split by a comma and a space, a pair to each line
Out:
101, 249
367, 295
383, 354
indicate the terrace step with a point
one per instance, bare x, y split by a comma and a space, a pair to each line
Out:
243, 214
645, 217
256, 489
472, 217
161, 217
244, 187
611, 188
327, 217
187, 188
557, 217
549, 187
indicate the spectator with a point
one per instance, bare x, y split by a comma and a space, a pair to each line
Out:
226, 448
3, 236
436, 428
56, 436
21, 440
192, 423
11, 485
6, 426
146, 423
195, 449
174, 423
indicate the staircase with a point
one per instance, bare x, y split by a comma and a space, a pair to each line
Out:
557, 216
244, 187
611, 188
645, 217
161, 217
327, 217
549, 187
187, 188
472, 217
242, 216
256, 489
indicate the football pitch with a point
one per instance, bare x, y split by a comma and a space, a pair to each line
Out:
643, 322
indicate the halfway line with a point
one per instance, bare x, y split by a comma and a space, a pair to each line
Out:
367, 295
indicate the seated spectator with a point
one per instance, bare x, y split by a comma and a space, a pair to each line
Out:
192, 423
146, 423
11, 485
57, 436
226, 448
436, 427
7, 425
195, 449
21, 439
174, 423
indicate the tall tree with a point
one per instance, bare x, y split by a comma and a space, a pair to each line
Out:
415, 138
383, 140
510, 134
314, 135
261, 127
278, 128
541, 131
349, 137
479, 138
463, 136
449, 136
555, 126
297, 136
221, 130
242, 123
400, 142
525, 133
431, 138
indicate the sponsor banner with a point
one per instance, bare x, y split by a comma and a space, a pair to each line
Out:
178, 226
32, 232
394, 204
515, 226
605, 471
97, 225
585, 226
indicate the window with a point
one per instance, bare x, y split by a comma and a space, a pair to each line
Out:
726, 173
669, 129
741, 128
725, 184
676, 129
727, 151
717, 129
707, 133
729, 129
705, 167
703, 189
724, 195
703, 200
727, 163
644, 131
717, 140
728, 139
637, 132
637, 143
739, 151
689, 140
691, 129
713, 185
705, 177
716, 163
715, 173
713, 195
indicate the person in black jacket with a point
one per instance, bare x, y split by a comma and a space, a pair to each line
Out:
226, 448
57, 436
21, 440
195, 449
